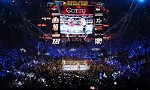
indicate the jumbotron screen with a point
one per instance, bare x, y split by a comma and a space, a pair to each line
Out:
76, 20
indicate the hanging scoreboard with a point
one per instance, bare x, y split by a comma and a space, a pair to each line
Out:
76, 20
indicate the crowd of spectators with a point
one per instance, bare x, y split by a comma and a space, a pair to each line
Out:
128, 69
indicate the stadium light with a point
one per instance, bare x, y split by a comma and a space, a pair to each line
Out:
141, 0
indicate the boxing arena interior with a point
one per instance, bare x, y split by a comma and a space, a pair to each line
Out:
74, 44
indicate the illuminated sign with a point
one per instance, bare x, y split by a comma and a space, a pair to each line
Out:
70, 10
98, 14
55, 26
56, 41
55, 20
55, 35
41, 25
98, 28
98, 21
76, 3
98, 9
98, 40
46, 18
105, 25
54, 8
55, 14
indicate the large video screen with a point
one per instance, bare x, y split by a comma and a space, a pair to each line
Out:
76, 20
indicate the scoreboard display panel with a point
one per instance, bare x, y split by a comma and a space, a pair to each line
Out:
75, 20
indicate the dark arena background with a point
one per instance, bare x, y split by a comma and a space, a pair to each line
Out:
75, 45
